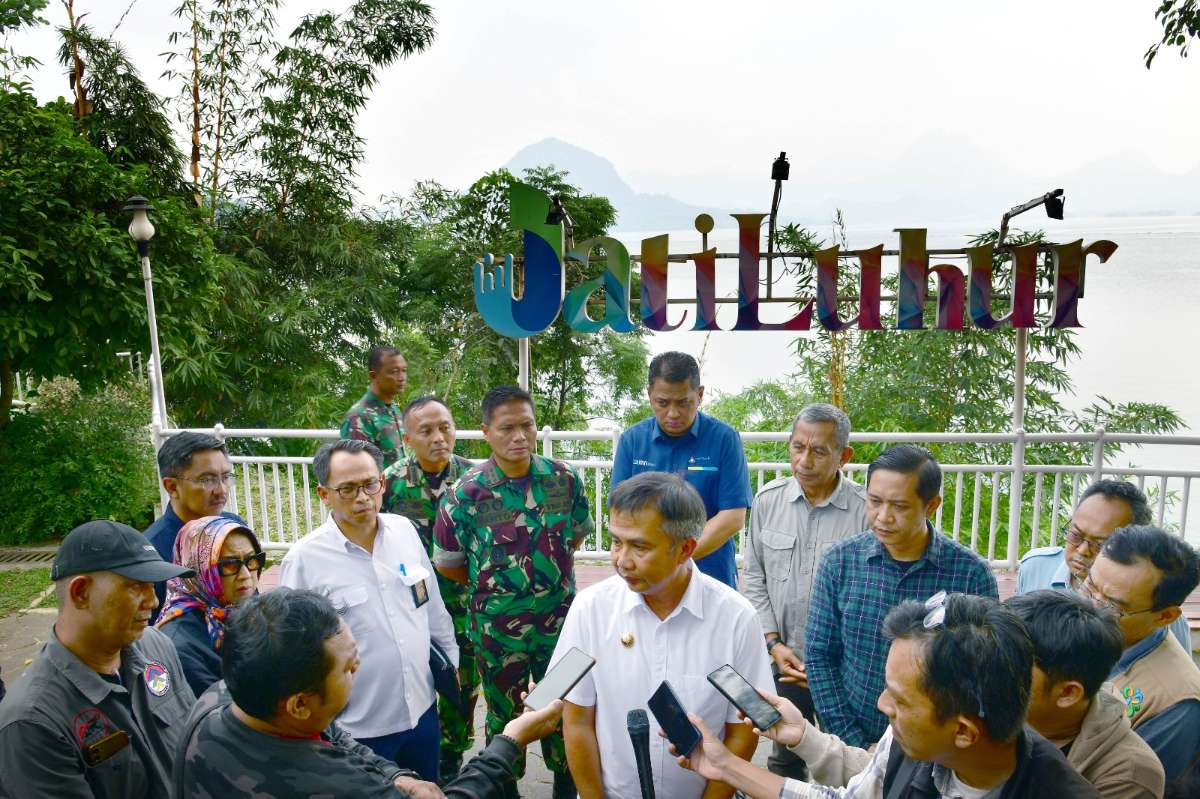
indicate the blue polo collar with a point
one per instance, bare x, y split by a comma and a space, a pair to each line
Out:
1138, 651
692, 432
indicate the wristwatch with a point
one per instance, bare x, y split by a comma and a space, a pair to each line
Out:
771, 644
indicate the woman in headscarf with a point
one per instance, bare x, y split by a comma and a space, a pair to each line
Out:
228, 561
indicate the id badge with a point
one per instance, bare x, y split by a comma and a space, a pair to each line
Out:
96, 753
420, 594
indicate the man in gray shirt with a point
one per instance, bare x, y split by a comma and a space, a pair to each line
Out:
98, 711
792, 522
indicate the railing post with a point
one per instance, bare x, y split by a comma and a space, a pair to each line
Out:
547, 442
1098, 455
1016, 493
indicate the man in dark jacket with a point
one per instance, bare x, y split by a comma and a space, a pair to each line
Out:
268, 729
957, 685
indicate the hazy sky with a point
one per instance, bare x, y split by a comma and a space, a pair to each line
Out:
697, 97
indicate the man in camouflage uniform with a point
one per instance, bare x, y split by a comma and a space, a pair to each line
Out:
508, 531
414, 487
376, 417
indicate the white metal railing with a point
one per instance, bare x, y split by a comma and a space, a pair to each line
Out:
277, 495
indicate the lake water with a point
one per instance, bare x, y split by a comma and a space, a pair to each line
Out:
1139, 341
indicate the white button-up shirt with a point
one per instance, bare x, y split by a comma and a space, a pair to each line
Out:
374, 593
713, 625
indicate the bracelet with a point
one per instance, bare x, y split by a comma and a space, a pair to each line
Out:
772, 643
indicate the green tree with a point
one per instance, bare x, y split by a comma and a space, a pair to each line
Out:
1181, 24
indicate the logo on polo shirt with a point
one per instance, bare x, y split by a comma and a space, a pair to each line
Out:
1134, 699
158, 680
640, 462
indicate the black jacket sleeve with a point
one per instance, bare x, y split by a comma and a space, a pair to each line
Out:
489, 775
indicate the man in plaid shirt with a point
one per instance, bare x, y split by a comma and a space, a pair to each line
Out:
863, 577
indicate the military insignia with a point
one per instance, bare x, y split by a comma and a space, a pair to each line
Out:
92, 725
627, 640
158, 680
1134, 699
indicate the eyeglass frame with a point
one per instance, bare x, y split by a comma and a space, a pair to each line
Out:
1080, 540
261, 556
1093, 594
936, 617
364, 487
209, 482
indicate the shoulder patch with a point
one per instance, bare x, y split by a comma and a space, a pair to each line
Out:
158, 679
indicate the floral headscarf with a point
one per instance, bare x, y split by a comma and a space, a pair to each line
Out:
198, 547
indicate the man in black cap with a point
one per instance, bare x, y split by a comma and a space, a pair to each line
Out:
98, 711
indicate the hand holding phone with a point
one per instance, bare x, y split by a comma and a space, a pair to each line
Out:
560, 679
744, 697
671, 715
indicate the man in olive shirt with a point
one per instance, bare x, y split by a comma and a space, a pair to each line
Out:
98, 712
792, 522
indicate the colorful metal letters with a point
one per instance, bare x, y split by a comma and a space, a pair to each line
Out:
958, 295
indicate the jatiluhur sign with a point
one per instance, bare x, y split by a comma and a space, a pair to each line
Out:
959, 295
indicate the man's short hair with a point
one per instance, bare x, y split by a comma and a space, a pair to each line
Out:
1123, 490
674, 367
175, 455
824, 412
911, 459
977, 662
1072, 638
325, 454
377, 354
678, 504
418, 404
502, 395
275, 647
1178, 562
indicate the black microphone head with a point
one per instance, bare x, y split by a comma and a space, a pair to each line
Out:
637, 722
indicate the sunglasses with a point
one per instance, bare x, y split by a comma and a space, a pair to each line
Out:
935, 616
254, 562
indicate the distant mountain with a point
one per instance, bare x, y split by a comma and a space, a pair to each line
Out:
596, 175
940, 178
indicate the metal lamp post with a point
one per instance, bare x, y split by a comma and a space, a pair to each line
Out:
142, 230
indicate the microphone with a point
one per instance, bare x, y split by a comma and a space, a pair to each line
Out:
638, 724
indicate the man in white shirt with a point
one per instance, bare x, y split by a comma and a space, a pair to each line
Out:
375, 570
659, 618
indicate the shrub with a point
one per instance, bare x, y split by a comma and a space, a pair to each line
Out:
74, 457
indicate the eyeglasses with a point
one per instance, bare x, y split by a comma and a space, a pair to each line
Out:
371, 488
254, 562
1104, 603
211, 481
935, 617
1078, 539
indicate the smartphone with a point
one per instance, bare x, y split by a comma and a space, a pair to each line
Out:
670, 714
742, 695
560, 679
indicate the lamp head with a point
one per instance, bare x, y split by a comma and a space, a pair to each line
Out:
141, 229
781, 168
1054, 204
558, 213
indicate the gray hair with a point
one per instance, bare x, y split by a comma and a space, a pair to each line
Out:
1139, 507
824, 412
678, 504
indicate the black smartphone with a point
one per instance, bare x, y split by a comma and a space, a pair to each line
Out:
672, 717
744, 697
560, 679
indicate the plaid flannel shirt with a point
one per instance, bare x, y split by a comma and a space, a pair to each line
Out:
857, 583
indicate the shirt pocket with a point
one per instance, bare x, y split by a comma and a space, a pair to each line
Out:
779, 550
351, 604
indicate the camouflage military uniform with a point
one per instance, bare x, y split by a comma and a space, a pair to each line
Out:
370, 419
517, 540
408, 493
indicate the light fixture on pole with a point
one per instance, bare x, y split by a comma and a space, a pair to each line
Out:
141, 229
780, 170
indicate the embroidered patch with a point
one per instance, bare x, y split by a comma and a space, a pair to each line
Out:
91, 725
1133, 700
158, 680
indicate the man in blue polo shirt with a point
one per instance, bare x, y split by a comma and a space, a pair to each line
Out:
704, 451
197, 475
1104, 506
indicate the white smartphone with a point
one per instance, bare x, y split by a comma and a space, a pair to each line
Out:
560, 679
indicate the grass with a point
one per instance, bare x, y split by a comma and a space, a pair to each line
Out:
19, 588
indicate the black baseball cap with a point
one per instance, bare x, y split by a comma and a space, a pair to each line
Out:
108, 546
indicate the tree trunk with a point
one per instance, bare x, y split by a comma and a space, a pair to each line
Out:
6, 392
